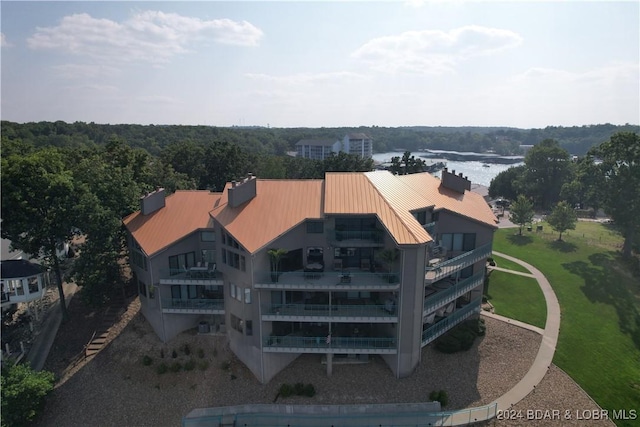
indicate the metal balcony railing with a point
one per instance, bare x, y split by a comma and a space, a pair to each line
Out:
185, 304
374, 236
326, 310
439, 269
327, 280
302, 343
446, 296
430, 228
198, 275
450, 321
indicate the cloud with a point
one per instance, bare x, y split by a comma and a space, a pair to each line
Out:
615, 74
74, 71
434, 51
307, 78
149, 36
3, 41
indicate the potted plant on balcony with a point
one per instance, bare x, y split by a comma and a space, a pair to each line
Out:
275, 256
388, 257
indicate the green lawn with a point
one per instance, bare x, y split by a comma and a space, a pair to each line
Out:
599, 342
517, 297
505, 263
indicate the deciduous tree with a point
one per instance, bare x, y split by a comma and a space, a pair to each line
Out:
547, 168
521, 212
562, 218
620, 169
39, 206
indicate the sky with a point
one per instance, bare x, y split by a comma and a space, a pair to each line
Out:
322, 64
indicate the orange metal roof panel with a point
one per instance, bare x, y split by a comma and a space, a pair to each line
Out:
469, 204
278, 206
184, 212
356, 193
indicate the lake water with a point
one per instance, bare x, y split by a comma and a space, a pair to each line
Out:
473, 169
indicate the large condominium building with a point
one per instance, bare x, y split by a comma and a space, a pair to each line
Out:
358, 144
353, 265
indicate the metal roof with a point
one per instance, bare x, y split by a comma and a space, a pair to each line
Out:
184, 213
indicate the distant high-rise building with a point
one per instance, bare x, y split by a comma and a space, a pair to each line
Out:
358, 144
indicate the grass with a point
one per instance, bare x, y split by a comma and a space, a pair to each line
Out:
510, 265
517, 297
599, 342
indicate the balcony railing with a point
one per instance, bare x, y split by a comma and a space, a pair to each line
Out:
349, 236
332, 345
438, 269
184, 305
446, 296
327, 280
193, 275
334, 311
450, 321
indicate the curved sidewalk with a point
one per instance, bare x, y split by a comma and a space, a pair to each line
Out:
547, 347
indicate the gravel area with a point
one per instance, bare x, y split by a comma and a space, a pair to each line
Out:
114, 388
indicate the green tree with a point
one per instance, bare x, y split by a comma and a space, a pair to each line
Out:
620, 169
407, 164
521, 212
23, 394
507, 183
547, 168
562, 218
39, 207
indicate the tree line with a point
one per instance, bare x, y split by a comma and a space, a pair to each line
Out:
607, 177
278, 141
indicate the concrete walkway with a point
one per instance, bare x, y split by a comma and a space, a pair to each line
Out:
549, 340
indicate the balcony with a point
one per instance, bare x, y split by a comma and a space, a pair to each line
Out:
449, 292
441, 268
193, 306
371, 313
357, 238
192, 276
327, 280
446, 323
340, 345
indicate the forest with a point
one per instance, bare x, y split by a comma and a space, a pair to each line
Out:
577, 140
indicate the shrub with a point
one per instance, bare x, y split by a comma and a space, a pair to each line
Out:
162, 369
23, 393
286, 390
161, 353
309, 390
201, 353
439, 396
186, 349
298, 389
203, 365
461, 337
225, 366
215, 351
174, 353
190, 365
146, 360
176, 367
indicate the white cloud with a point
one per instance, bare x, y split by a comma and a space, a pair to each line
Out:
149, 36
434, 51
3, 41
307, 78
74, 71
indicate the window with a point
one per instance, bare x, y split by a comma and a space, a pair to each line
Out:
208, 236
232, 290
33, 285
224, 256
247, 296
152, 291
435, 216
421, 217
137, 256
208, 255
249, 325
315, 227
458, 242
236, 323
181, 262
176, 292
243, 263
192, 291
